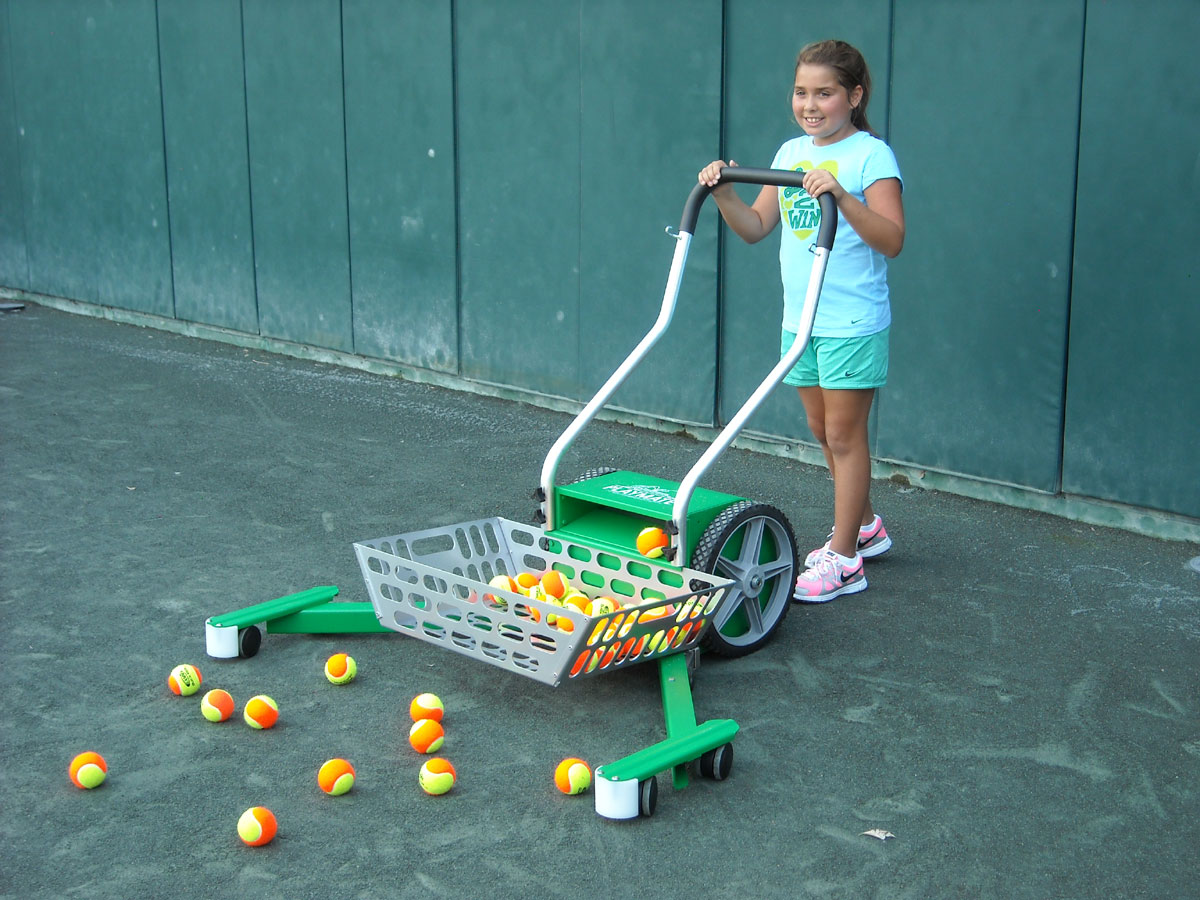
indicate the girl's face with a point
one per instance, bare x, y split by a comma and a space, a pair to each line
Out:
822, 106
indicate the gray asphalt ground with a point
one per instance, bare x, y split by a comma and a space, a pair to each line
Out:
1016, 697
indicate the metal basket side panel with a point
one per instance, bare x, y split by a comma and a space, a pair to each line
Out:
464, 615
476, 549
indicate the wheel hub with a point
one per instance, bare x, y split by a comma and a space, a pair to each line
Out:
753, 584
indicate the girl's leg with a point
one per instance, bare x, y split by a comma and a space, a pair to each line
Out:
838, 420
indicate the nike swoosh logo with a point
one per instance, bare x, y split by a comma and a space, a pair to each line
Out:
846, 577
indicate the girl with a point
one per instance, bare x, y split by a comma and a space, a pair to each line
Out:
847, 356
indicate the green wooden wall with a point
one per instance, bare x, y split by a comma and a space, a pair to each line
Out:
481, 189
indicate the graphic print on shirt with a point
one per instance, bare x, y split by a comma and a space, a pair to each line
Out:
799, 210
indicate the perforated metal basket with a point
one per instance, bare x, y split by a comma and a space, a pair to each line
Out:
433, 585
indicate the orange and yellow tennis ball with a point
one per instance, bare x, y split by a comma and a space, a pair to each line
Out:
525, 581
257, 826
602, 606
340, 668
426, 706
573, 776
651, 542
261, 712
184, 680
336, 776
216, 705
87, 770
437, 776
426, 735
555, 585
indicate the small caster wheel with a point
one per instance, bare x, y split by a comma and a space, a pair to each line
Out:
716, 764
249, 640
647, 797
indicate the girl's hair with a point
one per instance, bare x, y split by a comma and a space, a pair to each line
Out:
851, 71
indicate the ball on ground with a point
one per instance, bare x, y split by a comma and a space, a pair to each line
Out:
336, 777
257, 826
261, 712
651, 542
426, 735
216, 705
184, 680
87, 770
426, 706
340, 668
437, 776
573, 776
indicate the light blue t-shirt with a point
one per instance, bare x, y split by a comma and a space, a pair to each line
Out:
854, 296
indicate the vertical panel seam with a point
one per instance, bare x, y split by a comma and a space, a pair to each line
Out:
162, 112
346, 170
457, 183
580, 390
249, 170
12, 85
1066, 357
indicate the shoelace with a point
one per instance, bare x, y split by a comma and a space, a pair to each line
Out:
826, 564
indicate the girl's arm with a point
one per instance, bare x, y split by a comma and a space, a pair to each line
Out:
751, 223
879, 222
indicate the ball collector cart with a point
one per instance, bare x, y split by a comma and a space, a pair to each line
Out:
723, 584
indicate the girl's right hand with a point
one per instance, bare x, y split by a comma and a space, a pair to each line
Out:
711, 174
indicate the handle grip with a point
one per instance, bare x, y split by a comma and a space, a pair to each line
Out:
749, 175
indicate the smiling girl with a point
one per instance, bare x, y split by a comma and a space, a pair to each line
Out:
846, 359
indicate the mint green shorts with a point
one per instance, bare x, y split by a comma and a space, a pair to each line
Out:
853, 363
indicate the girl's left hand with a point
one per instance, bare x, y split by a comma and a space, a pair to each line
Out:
820, 181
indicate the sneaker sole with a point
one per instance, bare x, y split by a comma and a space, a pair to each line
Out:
877, 550
853, 588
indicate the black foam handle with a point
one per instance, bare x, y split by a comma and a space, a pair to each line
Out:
778, 177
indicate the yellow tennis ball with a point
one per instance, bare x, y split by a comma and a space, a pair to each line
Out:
87, 770
573, 776
578, 600
504, 583
426, 735
336, 777
426, 706
184, 680
437, 776
257, 826
261, 712
340, 668
216, 705
651, 542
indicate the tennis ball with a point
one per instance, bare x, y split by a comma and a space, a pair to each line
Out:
336, 777
184, 680
602, 606
577, 600
426, 735
651, 542
261, 712
573, 776
526, 580
87, 770
257, 826
216, 705
555, 585
340, 668
426, 706
437, 776
503, 583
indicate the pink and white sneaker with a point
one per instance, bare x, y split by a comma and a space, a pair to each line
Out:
829, 577
873, 541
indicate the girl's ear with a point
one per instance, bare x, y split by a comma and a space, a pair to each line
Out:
856, 95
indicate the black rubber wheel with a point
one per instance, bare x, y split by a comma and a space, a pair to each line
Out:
717, 764
249, 640
647, 797
753, 545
